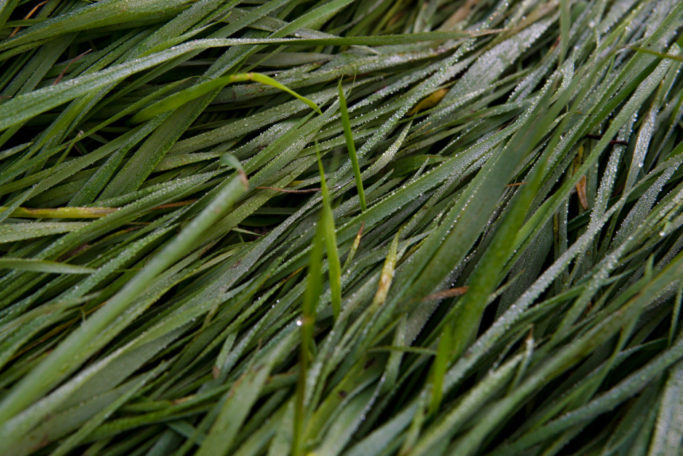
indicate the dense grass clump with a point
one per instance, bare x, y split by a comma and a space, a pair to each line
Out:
312, 227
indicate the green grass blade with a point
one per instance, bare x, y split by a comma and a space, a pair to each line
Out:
348, 134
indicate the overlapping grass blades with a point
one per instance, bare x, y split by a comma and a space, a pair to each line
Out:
474, 245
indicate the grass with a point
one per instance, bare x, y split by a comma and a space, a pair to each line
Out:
341, 227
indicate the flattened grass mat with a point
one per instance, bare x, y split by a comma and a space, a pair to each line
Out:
383, 227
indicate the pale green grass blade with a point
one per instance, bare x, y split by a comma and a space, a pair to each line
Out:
178, 99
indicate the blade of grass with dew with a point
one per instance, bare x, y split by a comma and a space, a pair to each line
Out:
473, 123
309, 305
327, 220
27, 264
348, 134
